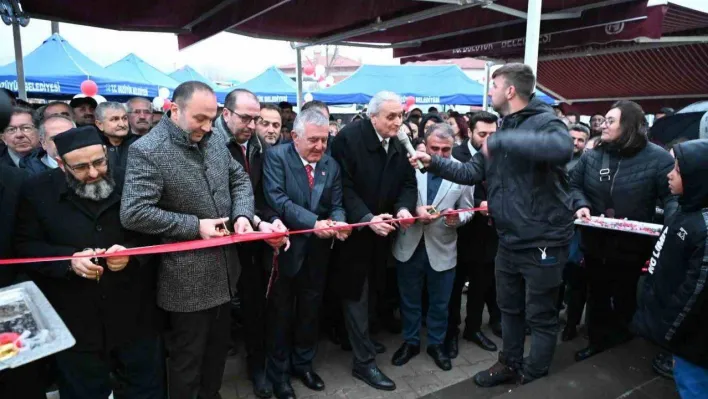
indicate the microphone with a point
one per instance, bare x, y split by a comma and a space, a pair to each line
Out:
406, 142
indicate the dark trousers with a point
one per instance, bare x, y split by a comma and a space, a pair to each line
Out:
293, 321
252, 287
356, 320
413, 275
197, 344
527, 291
137, 367
612, 300
482, 289
26, 382
574, 288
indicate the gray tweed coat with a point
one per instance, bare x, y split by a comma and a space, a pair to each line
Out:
170, 184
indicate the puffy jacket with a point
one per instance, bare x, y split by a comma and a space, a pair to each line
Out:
529, 196
672, 308
637, 180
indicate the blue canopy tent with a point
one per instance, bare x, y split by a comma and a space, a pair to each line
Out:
55, 70
187, 73
429, 84
271, 86
138, 70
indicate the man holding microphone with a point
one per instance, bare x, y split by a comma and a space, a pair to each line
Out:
524, 166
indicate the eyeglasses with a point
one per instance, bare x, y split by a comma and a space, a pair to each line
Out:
83, 168
265, 123
246, 119
608, 122
10, 130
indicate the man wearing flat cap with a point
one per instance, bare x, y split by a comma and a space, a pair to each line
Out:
84, 108
107, 303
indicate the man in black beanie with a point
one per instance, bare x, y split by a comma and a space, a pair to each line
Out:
107, 303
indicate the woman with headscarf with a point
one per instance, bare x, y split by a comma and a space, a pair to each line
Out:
621, 178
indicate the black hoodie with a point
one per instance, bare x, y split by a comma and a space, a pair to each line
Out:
672, 308
529, 196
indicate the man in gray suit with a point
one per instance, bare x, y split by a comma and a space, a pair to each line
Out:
182, 184
427, 253
304, 187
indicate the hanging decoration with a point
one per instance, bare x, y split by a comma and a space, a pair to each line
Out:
89, 88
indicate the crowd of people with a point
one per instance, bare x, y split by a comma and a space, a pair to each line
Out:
492, 212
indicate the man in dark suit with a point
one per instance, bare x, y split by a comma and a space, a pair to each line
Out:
238, 123
476, 248
377, 184
303, 185
108, 304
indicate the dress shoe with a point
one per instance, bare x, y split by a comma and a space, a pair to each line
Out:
498, 374
261, 386
663, 364
586, 353
441, 359
452, 346
404, 354
569, 333
379, 347
496, 328
283, 390
481, 340
374, 377
311, 380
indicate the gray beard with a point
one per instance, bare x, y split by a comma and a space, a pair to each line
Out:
97, 191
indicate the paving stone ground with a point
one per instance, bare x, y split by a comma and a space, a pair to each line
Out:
416, 379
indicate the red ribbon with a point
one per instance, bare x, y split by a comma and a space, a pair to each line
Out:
214, 242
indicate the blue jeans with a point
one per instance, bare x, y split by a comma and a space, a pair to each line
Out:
412, 274
691, 380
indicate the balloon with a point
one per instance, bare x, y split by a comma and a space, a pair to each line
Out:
308, 97
158, 102
322, 84
319, 70
89, 88
410, 100
330, 80
164, 92
308, 70
99, 98
166, 105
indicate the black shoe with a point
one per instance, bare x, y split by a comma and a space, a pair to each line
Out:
374, 377
283, 390
404, 354
481, 340
663, 364
452, 346
379, 347
496, 328
524, 377
311, 380
261, 386
586, 353
569, 333
496, 375
438, 354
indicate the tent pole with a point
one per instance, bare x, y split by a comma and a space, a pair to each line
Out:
55, 27
19, 61
298, 73
533, 33
487, 75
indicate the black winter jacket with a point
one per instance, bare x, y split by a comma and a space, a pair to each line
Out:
638, 178
527, 184
672, 309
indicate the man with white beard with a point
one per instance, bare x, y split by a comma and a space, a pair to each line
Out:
108, 304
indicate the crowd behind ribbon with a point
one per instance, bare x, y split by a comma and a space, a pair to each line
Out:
94, 179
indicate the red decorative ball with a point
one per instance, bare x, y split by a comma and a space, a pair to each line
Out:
89, 88
410, 100
308, 70
166, 105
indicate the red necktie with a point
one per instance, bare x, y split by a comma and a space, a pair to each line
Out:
310, 177
245, 159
